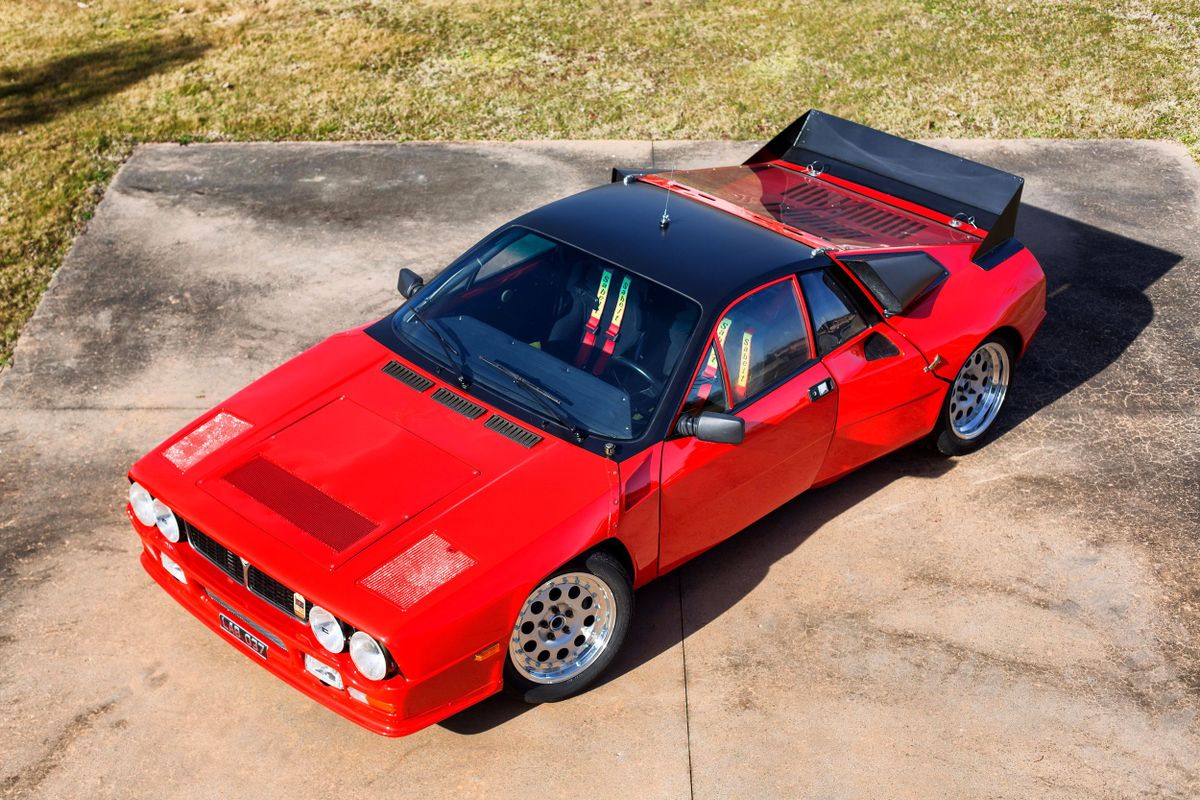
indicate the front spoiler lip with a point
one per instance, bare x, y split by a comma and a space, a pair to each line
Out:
289, 667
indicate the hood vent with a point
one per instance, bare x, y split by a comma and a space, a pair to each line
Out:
458, 404
513, 431
300, 503
417, 571
407, 376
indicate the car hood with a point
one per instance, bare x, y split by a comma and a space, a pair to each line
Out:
344, 458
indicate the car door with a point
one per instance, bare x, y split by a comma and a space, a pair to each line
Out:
886, 399
760, 366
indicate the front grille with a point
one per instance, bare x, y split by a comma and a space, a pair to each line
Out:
273, 591
221, 557
254, 579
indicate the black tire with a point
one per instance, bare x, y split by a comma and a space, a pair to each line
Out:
614, 576
946, 439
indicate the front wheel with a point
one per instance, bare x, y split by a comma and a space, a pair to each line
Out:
975, 398
569, 630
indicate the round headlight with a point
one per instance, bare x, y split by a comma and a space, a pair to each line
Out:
368, 656
142, 503
164, 518
327, 629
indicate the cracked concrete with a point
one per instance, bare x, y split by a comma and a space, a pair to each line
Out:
1021, 622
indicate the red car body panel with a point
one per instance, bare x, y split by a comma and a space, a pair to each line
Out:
343, 471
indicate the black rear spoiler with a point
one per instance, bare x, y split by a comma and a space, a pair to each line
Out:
933, 179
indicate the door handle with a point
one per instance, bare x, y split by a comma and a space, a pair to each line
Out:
819, 390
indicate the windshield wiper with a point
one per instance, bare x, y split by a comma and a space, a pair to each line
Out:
455, 358
550, 401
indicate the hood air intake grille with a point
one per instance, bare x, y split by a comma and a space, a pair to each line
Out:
300, 503
407, 376
458, 403
513, 431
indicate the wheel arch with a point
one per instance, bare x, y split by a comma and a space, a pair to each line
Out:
1011, 337
616, 548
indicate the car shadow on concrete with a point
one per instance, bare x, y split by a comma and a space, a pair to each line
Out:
744, 559
1097, 306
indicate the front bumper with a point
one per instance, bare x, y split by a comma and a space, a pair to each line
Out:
209, 594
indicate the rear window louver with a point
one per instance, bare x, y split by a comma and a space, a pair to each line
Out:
458, 403
813, 207
511, 430
407, 376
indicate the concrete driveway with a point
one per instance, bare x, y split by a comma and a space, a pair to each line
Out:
1018, 623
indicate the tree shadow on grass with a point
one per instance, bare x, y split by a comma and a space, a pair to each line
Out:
39, 93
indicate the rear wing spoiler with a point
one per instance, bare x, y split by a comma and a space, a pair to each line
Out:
956, 187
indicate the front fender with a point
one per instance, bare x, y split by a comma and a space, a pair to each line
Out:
477, 610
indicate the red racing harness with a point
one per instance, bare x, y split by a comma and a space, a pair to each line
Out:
592, 327
743, 376
708, 376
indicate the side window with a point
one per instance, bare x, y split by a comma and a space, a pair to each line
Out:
835, 319
708, 390
765, 340
516, 252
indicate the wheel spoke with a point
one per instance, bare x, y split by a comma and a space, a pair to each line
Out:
569, 622
979, 391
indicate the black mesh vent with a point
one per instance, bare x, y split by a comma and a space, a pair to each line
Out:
222, 557
271, 590
513, 431
407, 376
458, 403
257, 581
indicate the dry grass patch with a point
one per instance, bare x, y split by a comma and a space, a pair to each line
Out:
80, 83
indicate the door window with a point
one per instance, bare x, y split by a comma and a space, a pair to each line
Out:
759, 342
835, 320
708, 390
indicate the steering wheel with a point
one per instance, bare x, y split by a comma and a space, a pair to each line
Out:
650, 383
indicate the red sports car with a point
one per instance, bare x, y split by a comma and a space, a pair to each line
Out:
463, 495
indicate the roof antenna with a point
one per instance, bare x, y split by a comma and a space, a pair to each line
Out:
666, 217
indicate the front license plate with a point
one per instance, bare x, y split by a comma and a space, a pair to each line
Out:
244, 636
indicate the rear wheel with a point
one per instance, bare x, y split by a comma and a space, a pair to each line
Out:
569, 630
975, 398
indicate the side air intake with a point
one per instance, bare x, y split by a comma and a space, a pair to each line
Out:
513, 431
458, 403
407, 376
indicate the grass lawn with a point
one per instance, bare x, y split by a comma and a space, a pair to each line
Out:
82, 82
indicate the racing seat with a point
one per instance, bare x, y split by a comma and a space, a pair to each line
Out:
568, 338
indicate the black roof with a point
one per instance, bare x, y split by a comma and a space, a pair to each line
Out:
705, 253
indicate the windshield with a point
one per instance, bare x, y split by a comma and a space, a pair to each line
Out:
560, 332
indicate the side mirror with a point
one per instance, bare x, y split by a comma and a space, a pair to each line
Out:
409, 284
713, 426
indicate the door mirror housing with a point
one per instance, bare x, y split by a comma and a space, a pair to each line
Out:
713, 426
409, 283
